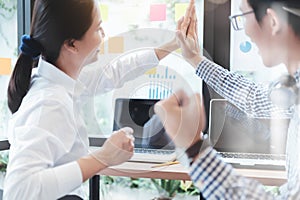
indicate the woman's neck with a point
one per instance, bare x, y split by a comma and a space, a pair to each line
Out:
68, 66
293, 55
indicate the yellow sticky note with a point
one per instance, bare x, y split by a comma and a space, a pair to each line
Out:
5, 66
151, 71
179, 51
116, 45
102, 48
104, 12
180, 9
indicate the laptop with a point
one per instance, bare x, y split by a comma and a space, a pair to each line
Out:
244, 141
152, 144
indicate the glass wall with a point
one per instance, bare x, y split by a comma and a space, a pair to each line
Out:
245, 58
133, 26
130, 25
8, 54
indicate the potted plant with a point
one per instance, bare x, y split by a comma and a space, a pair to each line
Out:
3, 165
167, 189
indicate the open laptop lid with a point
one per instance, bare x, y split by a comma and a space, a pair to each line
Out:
231, 130
139, 115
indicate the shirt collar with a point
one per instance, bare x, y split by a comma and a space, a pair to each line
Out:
55, 75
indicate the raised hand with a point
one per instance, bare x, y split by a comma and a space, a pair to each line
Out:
187, 18
187, 36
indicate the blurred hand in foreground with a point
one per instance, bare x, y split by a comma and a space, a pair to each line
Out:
183, 117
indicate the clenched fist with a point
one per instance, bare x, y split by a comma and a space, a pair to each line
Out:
118, 148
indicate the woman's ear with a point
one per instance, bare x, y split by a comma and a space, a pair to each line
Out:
70, 46
274, 21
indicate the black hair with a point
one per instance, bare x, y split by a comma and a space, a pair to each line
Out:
53, 23
260, 7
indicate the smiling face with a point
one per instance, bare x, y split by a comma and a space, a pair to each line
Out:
264, 34
89, 45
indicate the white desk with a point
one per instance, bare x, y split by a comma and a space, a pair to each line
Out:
178, 172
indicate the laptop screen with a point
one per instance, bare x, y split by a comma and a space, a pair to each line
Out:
139, 115
231, 130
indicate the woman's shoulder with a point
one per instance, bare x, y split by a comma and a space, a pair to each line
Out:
48, 100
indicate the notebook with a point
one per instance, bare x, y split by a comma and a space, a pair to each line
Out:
152, 144
244, 141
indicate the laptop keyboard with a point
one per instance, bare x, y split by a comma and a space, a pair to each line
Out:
153, 151
253, 156
254, 160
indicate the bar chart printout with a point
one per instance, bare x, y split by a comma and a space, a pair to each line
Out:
160, 83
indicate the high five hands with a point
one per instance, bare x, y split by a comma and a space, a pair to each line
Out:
187, 36
183, 116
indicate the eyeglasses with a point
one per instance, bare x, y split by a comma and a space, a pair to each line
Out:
238, 21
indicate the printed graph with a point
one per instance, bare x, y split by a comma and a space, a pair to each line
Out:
160, 83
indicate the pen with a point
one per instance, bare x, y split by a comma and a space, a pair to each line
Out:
166, 164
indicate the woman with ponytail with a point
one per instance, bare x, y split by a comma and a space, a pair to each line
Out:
49, 157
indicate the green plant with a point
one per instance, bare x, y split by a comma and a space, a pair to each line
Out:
188, 188
8, 10
8, 5
3, 161
165, 187
272, 189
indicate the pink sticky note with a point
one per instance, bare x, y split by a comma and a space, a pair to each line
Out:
158, 12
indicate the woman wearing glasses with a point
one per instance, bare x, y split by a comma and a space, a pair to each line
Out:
274, 25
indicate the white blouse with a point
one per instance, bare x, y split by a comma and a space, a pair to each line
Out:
46, 134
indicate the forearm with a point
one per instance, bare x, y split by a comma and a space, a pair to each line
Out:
101, 79
90, 166
248, 96
166, 49
36, 183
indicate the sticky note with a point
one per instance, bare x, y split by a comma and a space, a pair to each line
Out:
104, 12
151, 71
116, 45
101, 48
5, 66
158, 12
180, 9
179, 51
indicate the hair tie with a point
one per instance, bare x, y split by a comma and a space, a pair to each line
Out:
30, 47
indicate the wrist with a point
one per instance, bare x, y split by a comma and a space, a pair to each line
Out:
171, 45
166, 49
90, 166
195, 150
194, 61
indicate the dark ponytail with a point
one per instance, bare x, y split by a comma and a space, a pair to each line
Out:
19, 82
53, 23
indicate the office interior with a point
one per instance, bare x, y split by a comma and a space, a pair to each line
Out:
145, 24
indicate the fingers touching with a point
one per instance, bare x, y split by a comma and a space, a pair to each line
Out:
189, 17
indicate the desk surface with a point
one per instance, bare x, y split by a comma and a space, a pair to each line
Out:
178, 172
